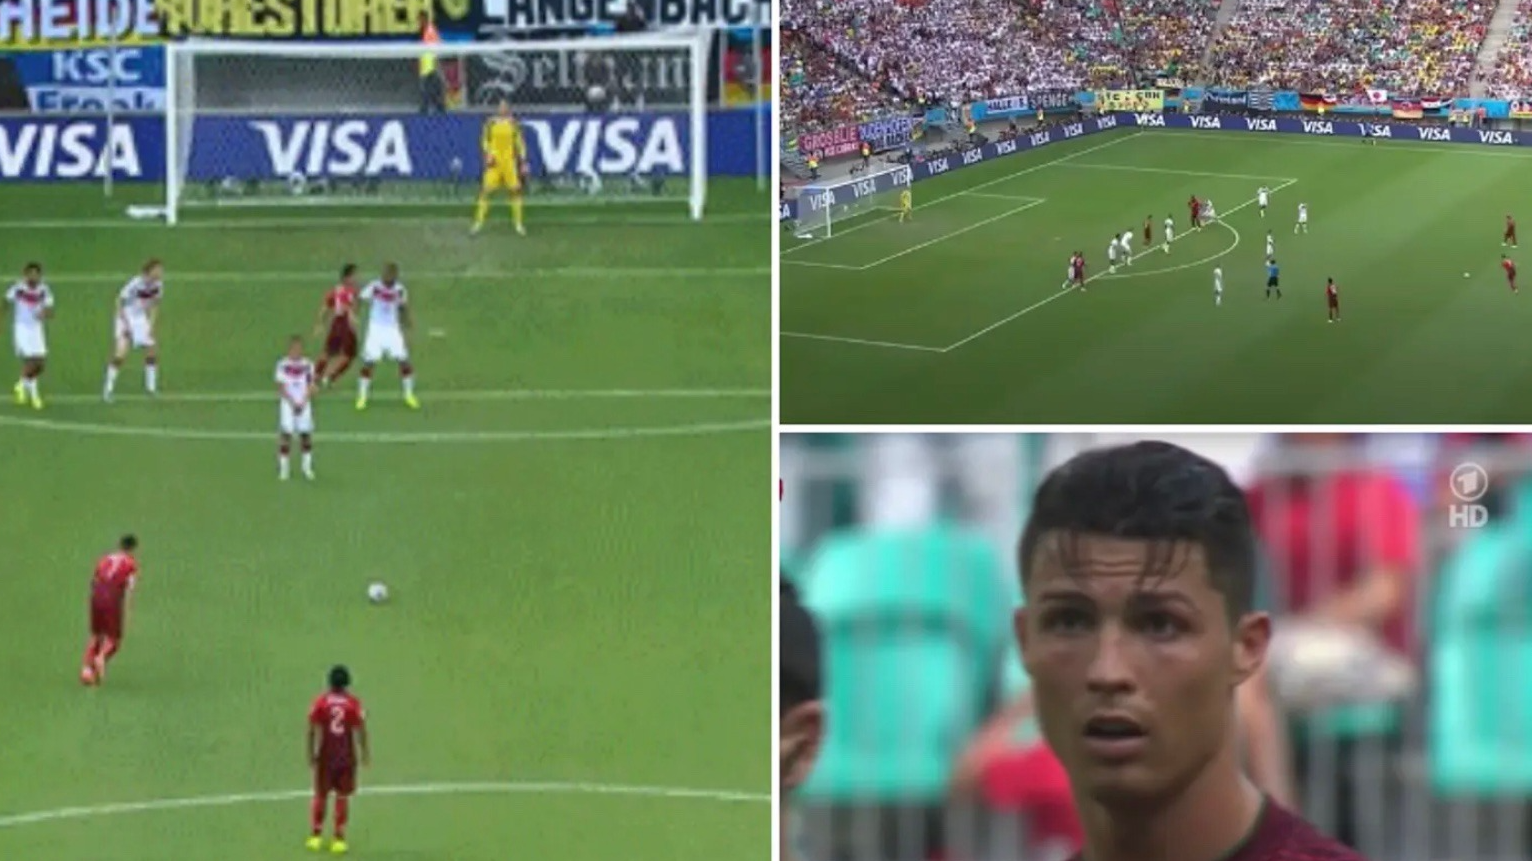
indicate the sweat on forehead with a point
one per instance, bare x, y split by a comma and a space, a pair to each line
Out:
1160, 496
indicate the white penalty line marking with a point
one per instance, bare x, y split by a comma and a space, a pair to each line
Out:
1177, 172
1007, 178
414, 789
1105, 273
946, 236
837, 339
318, 275
987, 196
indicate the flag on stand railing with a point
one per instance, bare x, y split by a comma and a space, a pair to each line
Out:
1377, 97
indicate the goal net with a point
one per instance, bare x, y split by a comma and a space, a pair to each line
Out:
612, 119
822, 206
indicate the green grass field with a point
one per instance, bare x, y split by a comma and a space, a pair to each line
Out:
959, 317
575, 662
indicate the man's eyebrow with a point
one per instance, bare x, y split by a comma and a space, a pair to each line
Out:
1158, 598
1063, 595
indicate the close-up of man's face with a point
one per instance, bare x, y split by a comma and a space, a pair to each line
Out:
1134, 660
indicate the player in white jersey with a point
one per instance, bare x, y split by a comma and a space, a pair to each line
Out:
1303, 219
1170, 232
388, 319
1263, 197
1127, 247
1217, 285
1271, 246
138, 307
295, 387
1209, 214
1112, 253
31, 303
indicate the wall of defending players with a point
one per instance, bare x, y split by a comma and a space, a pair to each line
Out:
931, 167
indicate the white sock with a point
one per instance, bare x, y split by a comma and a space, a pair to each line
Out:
31, 387
409, 385
282, 465
364, 383
308, 461
111, 378
151, 377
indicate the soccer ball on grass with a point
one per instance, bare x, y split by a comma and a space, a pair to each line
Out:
377, 593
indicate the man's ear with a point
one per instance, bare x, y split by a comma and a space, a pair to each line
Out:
1252, 637
802, 734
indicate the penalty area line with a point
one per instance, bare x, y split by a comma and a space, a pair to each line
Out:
57, 814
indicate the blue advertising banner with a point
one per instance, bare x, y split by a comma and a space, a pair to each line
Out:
887, 133
57, 148
1286, 100
928, 168
49, 24
1027, 103
403, 146
1494, 109
1226, 98
85, 81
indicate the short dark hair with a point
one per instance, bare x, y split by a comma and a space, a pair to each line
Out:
340, 678
798, 645
128, 542
1153, 491
348, 270
32, 266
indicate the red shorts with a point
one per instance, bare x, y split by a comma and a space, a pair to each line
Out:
340, 780
342, 339
1332, 301
106, 619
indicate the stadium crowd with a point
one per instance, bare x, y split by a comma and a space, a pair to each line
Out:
1511, 77
1341, 47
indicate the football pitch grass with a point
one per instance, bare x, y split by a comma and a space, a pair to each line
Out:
575, 661
958, 317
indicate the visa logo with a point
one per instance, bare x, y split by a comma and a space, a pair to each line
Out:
1073, 130
605, 145
1042, 138
1261, 125
1377, 130
938, 166
330, 148
67, 151
972, 156
1433, 133
1498, 138
1317, 127
1005, 147
1106, 123
1154, 120
1207, 123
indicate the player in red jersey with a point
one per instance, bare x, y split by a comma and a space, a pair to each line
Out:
1510, 271
1074, 276
1510, 233
1139, 567
1148, 232
338, 315
1196, 207
337, 733
114, 578
1332, 300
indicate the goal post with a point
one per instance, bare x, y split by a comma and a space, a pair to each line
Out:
618, 119
824, 205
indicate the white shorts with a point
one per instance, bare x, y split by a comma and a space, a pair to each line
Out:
31, 343
1303, 219
291, 421
1170, 236
135, 332
384, 344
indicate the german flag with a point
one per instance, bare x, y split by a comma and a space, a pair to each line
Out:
1316, 101
1407, 109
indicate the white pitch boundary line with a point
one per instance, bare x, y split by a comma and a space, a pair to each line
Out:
57, 814
1100, 273
1008, 177
790, 262
449, 396
946, 236
563, 271
1137, 169
893, 345
988, 196
718, 220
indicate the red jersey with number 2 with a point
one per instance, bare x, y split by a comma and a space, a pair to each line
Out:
1510, 268
115, 575
341, 300
338, 716
1332, 293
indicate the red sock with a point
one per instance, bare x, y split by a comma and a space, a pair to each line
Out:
345, 362
342, 813
90, 650
316, 814
108, 648
319, 368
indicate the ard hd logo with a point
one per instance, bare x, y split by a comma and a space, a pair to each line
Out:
1470, 482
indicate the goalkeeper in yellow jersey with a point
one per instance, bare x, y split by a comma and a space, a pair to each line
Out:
505, 160
906, 206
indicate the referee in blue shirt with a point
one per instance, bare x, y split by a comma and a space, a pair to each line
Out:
1272, 285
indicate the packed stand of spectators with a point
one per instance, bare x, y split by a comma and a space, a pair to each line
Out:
942, 51
1511, 77
1343, 47
819, 94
